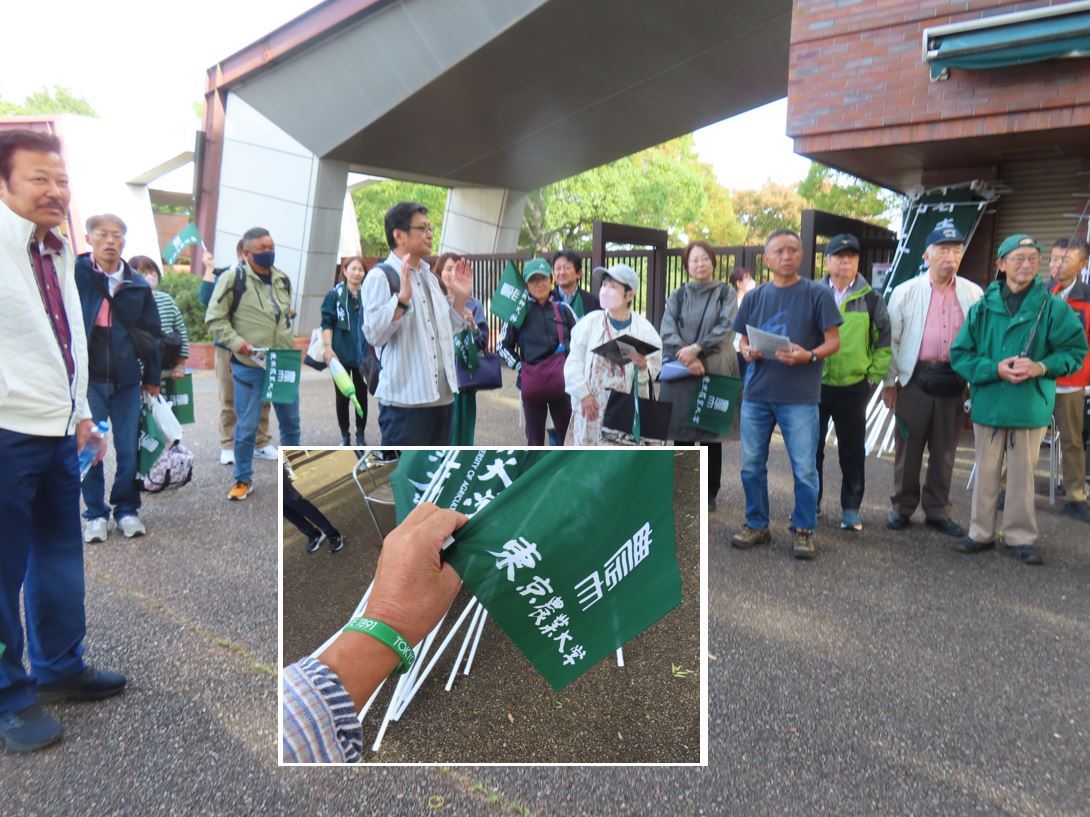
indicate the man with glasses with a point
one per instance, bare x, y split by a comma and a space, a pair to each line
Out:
925, 393
1012, 347
411, 324
123, 333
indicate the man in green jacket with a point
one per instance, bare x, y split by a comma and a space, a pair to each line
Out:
258, 317
1013, 345
848, 378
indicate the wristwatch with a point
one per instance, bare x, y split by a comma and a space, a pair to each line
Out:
813, 357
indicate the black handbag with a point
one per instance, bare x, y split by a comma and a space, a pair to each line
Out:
172, 349
485, 377
620, 413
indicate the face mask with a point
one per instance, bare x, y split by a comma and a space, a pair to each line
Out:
610, 298
264, 259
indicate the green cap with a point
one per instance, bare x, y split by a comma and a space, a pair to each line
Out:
536, 266
1012, 243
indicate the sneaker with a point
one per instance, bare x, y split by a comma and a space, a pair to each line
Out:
96, 530
972, 546
850, 519
131, 526
30, 729
345, 438
227, 456
240, 491
268, 452
896, 521
947, 526
1077, 510
803, 547
315, 542
1026, 554
336, 543
749, 537
90, 685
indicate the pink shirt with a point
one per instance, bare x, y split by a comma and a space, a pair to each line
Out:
944, 319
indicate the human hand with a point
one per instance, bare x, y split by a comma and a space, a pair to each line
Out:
209, 264
406, 293
686, 355
889, 396
178, 372
83, 433
327, 355
638, 359
1014, 369
590, 408
151, 388
749, 353
413, 588
244, 349
461, 282
793, 355
696, 368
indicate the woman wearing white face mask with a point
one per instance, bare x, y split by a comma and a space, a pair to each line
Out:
588, 377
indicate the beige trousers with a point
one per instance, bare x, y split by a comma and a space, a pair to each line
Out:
1015, 450
1069, 420
226, 385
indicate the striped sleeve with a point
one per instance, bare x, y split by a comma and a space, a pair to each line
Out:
320, 724
170, 319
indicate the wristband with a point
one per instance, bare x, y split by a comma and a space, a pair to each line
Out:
387, 635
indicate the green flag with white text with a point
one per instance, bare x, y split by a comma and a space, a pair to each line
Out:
179, 393
282, 368
510, 299
189, 235
714, 403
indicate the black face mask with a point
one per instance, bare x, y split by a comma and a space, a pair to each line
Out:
264, 259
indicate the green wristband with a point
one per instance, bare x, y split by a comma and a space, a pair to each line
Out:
387, 635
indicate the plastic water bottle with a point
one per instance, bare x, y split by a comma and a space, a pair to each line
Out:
96, 443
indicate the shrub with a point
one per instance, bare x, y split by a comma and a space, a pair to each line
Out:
183, 288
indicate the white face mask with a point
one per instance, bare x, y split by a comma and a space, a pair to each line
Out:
610, 298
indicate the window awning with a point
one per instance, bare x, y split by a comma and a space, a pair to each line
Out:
1009, 39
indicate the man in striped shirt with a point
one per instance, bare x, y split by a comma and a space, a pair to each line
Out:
413, 331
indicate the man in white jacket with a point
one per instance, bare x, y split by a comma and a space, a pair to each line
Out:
925, 393
44, 422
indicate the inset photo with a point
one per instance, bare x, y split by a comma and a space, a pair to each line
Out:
527, 606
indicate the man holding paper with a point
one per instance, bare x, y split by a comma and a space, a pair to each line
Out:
785, 388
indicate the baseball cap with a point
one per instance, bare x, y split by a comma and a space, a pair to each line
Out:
625, 275
1013, 242
945, 235
842, 242
535, 267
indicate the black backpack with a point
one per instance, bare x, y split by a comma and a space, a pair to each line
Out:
238, 286
371, 366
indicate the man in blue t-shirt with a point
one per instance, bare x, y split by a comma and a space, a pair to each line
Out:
784, 390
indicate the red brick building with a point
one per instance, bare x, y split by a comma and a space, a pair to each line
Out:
861, 98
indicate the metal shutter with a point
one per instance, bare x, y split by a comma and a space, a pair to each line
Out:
1044, 199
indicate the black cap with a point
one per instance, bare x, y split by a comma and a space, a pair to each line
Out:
842, 242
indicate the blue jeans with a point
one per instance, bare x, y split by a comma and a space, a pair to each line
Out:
799, 425
249, 381
41, 551
121, 405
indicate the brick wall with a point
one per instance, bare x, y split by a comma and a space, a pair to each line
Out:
857, 79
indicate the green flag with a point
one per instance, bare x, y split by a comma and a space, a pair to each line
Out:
571, 588
282, 368
150, 440
510, 300
189, 235
714, 403
466, 350
179, 393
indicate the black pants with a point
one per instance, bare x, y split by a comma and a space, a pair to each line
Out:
715, 464
344, 406
301, 513
847, 407
535, 414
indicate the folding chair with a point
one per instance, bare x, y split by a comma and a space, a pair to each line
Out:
370, 468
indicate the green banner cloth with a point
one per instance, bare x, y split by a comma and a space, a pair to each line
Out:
510, 300
179, 393
189, 235
570, 588
282, 368
714, 403
466, 349
150, 441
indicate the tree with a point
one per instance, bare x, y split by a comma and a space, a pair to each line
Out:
835, 192
59, 100
762, 212
374, 200
719, 225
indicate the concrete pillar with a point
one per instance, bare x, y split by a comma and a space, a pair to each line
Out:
482, 220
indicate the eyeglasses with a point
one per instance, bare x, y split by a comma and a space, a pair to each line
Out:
102, 235
424, 228
1019, 260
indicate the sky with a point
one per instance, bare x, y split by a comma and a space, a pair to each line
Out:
147, 60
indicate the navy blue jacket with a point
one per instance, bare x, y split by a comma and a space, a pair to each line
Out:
135, 301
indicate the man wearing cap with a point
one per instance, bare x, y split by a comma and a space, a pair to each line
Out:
530, 350
1013, 345
925, 393
1068, 259
412, 328
567, 270
848, 377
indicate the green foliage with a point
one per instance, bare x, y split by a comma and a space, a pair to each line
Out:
59, 100
374, 200
171, 209
773, 207
183, 288
844, 194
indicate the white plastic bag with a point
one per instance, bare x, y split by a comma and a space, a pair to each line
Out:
164, 417
315, 356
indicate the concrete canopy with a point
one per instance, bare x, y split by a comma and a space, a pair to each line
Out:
513, 93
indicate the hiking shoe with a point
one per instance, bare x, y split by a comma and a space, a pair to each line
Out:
315, 542
240, 491
968, 545
29, 729
227, 456
1077, 510
131, 526
96, 530
946, 525
336, 543
850, 519
896, 521
89, 685
749, 537
267, 452
803, 546
1026, 554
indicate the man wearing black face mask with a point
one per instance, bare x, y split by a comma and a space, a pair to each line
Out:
247, 311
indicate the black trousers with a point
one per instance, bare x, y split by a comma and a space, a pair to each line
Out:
715, 463
301, 513
344, 406
847, 407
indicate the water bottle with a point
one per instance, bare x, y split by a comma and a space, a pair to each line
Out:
96, 444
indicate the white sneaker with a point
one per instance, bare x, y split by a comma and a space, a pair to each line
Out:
131, 526
96, 530
227, 456
266, 453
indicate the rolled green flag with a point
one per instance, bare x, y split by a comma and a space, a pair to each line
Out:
510, 300
189, 235
343, 380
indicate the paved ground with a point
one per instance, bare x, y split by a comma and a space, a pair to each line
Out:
890, 676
